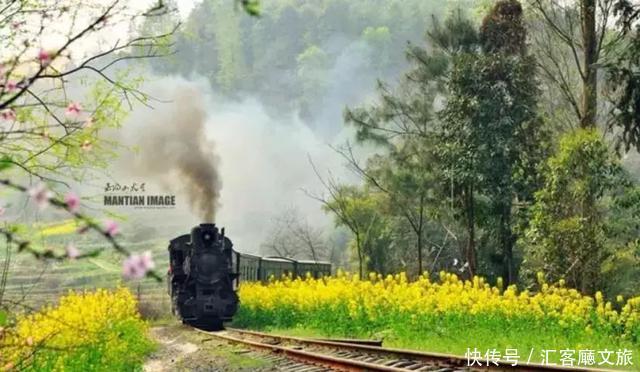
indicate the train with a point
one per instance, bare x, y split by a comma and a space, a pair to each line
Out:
205, 273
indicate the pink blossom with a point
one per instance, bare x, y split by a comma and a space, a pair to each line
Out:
2, 210
111, 227
72, 251
73, 201
41, 195
73, 110
11, 86
131, 270
136, 266
44, 57
86, 145
146, 260
8, 115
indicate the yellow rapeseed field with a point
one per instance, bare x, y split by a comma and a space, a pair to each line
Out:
99, 330
471, 309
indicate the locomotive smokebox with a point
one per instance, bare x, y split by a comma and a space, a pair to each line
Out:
206, 235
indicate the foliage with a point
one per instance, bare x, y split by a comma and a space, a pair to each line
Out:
403, 123
567, 234
491, 132
503, 28
347, 306
59, 93
482, 147
57, 101
620, 272
90, 331
358, 210
312, 66
578, 40
623, 80
252, 7
260, 56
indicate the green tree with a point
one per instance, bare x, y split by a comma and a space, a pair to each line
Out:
620, 272
232, 69
490, 127
567, 235
312, 72
259, 55
405, 124
623, 78
577, 39
56, 102
379, 38
406, 176
358, 211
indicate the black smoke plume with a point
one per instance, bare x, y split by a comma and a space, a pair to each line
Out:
171, 146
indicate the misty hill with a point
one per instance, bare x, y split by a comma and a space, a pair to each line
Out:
306, 56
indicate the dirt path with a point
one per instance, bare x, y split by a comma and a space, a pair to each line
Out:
171, 350
182, 349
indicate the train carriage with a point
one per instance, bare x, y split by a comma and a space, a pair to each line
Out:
248, 266
256, 268
317, 269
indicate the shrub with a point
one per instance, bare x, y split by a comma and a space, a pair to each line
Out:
87, 331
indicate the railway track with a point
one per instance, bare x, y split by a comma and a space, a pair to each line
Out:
314, 355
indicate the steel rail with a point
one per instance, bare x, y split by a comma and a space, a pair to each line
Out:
324, 360
357, 341
446, 360
403, 357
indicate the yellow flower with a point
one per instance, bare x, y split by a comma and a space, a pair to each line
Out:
80, 319
380, 299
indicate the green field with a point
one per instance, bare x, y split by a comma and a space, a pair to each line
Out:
32, 283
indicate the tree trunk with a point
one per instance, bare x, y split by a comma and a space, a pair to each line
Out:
590, 78
419, 232
470, 254
419, 253
507, 240
359, 248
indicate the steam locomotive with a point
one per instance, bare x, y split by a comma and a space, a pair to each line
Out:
205, 271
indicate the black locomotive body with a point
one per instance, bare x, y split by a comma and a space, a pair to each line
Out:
202, 280
205, 271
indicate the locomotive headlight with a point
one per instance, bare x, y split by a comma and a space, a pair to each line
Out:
207, 237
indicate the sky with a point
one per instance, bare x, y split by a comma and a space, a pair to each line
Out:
185, 6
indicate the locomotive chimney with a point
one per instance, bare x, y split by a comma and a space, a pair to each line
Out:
204, 233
